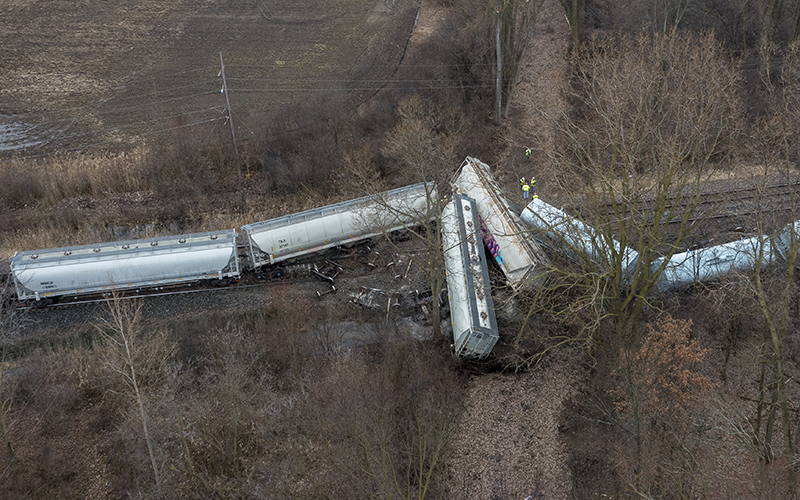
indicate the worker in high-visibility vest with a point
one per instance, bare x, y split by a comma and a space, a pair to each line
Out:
528, 154
525, 191
533, 185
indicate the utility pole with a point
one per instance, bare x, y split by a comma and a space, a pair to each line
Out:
230, 120
499, 82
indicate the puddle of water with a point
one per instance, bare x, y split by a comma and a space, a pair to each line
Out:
17, 135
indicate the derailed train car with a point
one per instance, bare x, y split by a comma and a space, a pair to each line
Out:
705, 264
577, 240
125, 265
347, 222
709, 263
472, 314
45, 276
522, 260
580, 241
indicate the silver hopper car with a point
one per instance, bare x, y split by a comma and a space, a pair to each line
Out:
347, 222
471, 308
124, 265
522, 260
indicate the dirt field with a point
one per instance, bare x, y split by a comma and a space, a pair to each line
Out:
77, 74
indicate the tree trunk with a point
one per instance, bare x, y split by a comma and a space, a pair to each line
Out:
499, 80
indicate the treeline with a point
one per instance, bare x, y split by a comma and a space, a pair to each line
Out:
662, 106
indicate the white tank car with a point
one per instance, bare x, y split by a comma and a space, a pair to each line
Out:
124, 265
521, 259
471, 308
787, 240
577, 240
706, 264
347, 222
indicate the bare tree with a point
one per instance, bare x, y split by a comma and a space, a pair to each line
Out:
10, 323
514, 21
424, 147
652, 116
659, 384
122, 330
668, 14
399, 420
575, 11
773, 285
6, 400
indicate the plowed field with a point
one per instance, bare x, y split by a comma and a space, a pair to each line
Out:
77, 74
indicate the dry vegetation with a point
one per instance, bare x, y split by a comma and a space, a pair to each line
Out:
604, 388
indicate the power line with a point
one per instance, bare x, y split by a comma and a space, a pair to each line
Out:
371, 66
382, 80
325, 85
172, 99
154, 120
162, 91
319, 89
126, 108
211, 68
117, 110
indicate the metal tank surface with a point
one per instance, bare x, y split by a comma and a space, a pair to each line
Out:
705, 264
787, 239
580, 241
347, 222
577, 240
471, 308
79, 270
521, 259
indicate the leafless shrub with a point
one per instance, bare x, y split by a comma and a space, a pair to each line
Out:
652, 99
659, 385
423, 146
285, 327
396, 406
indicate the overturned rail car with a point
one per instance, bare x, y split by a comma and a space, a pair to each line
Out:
303, 233
580, 241
520, 257
709, 263
471, 308
577, 240
705, 264
124, 265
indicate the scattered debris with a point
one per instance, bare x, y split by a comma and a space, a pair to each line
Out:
369, 297
328, 273
423, 297
332, 290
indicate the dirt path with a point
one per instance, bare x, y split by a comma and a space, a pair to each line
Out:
537, 101
508, 444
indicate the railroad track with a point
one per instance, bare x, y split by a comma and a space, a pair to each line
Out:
724, 204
